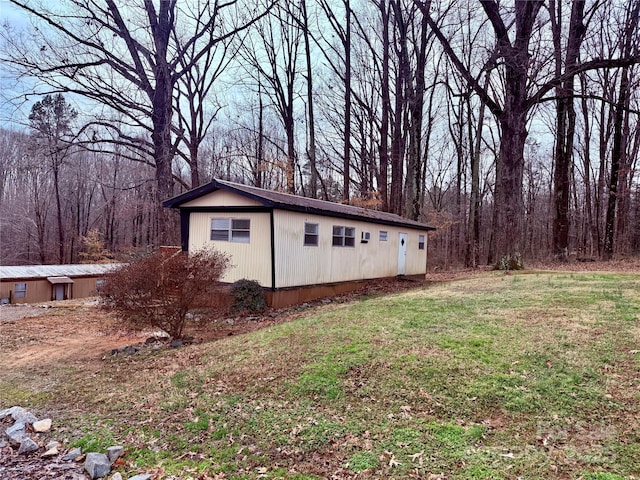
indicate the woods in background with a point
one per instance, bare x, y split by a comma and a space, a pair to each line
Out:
512, 127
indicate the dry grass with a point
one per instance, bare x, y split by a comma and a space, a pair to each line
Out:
490, 376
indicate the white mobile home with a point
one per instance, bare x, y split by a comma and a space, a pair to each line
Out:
298, 248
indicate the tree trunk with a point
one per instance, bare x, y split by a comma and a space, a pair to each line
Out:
565, 122
472, 253
346, 178
383, 180
619, 139
311, 151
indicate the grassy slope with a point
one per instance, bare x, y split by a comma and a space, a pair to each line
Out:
531, 376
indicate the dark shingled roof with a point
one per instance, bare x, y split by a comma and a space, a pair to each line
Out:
285, 201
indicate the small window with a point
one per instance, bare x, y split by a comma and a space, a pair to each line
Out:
20, 290
240, 231
344, 236
311, 234
231, 230
349, 237
100, 284
383, 236
420, 242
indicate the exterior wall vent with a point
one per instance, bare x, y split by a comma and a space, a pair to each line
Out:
366, 236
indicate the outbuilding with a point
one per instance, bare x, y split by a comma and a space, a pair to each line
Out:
298, 248
43, 283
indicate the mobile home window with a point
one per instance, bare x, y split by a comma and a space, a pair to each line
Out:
344, 236
20, 290
383, 236
231, 229
420, 242
311, 234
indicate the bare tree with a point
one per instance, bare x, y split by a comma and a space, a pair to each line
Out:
512, 108
620, 137
125, 58
565, 115
271, 56
50, 120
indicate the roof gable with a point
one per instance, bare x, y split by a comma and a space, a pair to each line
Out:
221, 198
285, 201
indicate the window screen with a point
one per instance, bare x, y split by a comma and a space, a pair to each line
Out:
311, 234
231, 230
20, 290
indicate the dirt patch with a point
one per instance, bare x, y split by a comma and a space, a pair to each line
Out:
59, 334
80, 331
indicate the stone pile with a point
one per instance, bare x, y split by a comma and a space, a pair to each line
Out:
26, 436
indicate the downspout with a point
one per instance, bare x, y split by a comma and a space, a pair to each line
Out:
273, 251
184, 229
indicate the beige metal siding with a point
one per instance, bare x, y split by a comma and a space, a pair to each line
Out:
250, 260
222, 198
84, 287
297, 264
40, 290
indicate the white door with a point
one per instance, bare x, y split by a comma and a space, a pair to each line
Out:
402, 253
58, 291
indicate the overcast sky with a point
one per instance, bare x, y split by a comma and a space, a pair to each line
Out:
12, 113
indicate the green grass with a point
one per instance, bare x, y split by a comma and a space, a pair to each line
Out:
521, 376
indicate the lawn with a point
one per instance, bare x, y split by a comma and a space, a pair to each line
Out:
531, 375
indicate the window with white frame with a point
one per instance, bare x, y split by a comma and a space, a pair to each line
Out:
420, 242
383, 236
344, 236
311, 234
20, 290
231, 230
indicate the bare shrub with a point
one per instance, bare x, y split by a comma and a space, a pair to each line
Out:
159, 290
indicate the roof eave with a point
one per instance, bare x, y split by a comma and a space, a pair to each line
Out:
178, 201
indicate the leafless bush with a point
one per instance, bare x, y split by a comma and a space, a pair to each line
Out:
159, 290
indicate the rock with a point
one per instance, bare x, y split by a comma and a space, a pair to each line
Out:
126, 350
27, 446
51, 452
42, 425
52, 444
113, 453
142, 476
15, 428
97, 465
116, 476
72, 454
16, 433
176, 343
3, 443
78, 476
23, 416
9, 411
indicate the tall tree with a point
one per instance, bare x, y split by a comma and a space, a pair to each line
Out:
51, 120
127, 58
632, 15
514, 27
566, 59
271, 59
